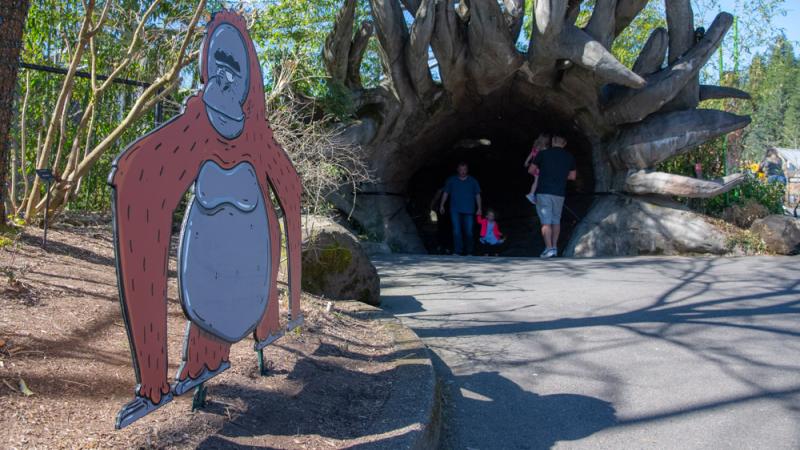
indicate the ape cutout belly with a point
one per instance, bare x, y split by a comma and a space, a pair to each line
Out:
224, 255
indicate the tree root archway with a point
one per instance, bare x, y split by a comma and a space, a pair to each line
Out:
495, 148
627, 120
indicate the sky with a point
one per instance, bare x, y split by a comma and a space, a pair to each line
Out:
790, 24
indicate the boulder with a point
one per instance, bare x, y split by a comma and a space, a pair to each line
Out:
780, 233
745, 214
620, 225
335, 265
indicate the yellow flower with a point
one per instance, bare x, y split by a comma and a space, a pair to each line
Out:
761, 175
754, 168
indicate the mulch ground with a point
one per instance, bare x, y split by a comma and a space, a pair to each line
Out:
62, 335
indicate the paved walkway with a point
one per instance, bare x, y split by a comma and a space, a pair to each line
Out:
608, 353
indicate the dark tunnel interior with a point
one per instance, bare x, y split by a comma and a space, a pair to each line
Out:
495, 151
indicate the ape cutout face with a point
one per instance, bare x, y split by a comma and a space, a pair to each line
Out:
228, 80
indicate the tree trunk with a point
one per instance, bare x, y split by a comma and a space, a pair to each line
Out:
620, 122
12, 24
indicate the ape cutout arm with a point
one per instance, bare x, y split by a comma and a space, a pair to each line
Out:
279, 173
148, 181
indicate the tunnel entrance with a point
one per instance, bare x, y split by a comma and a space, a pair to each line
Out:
495, 151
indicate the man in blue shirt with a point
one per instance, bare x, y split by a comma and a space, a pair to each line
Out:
464, 193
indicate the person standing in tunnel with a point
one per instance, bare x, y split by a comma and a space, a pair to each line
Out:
464, 193
555, 166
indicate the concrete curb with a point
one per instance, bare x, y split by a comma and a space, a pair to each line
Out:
413, 410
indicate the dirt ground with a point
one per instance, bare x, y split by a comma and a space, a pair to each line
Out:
61, 332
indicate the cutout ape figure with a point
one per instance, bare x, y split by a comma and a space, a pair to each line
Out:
223, 148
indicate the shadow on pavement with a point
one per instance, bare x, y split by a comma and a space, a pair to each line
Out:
511, 417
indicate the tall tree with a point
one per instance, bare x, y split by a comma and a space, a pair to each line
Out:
12, 23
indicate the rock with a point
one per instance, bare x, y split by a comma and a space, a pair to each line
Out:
745, 214
335, 265
621, 225
780, 233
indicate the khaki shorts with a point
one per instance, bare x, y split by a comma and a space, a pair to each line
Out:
549, 208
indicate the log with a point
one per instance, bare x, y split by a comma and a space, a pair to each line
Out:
663, 136
660, 183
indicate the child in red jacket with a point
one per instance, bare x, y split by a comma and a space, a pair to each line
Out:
491, 238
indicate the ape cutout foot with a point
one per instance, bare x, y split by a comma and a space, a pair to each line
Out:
199, 399
138, 408
260, 345
295, 324
183, 386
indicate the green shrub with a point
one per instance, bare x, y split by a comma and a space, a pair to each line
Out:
770, 195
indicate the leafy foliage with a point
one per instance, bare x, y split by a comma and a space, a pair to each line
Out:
51, 39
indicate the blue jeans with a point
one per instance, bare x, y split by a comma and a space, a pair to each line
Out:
462, 231
776, 179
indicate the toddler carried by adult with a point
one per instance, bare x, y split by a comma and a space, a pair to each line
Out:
542, 142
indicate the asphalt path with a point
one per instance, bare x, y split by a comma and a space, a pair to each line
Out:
608, 353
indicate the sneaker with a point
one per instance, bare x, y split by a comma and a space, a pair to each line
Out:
553, 252
546, 254
531, 198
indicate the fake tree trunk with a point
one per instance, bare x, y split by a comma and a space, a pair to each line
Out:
621, 121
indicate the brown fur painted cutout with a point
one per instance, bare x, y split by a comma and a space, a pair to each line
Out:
223, 148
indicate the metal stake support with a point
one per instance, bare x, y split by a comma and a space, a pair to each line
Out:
199, 398
262, 368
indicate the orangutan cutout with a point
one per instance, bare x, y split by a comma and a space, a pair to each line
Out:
221, 147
